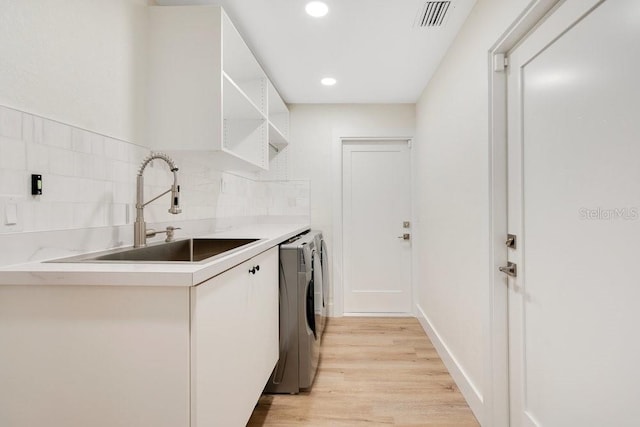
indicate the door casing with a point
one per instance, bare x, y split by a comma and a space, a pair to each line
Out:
340, 137
395, 297
496, 360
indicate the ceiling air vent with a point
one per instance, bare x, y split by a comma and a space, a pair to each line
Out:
432, 14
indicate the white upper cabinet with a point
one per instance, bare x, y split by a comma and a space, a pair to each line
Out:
207, 92
278, 119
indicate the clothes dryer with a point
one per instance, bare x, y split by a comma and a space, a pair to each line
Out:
300, 316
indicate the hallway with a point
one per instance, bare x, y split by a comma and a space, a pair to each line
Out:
373, 371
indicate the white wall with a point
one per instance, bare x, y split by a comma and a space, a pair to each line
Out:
72, 101
312, 131
452, 198
309, 154
80, 62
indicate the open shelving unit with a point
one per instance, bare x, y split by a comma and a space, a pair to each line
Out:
244, 133
278, 119
208, 92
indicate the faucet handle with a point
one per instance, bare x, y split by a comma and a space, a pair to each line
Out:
170, 229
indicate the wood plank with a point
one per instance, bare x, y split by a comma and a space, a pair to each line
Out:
373, 371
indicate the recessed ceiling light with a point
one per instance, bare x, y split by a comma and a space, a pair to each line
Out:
317, 9
328, 81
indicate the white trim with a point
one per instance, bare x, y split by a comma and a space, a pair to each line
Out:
496, 379
470, 392
379, 315
339, 136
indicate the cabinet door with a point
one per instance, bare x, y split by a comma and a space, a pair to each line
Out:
98, 356
264, 320
234, 341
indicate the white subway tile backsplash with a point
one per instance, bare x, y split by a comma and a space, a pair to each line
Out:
100, 168
59, 188
111, 149
27, 128
118, 150
42, 220
90, 181
38, 130
123, 192
56, 134
12, 154
302, 202
122, 172
13, 182
10, 123
138, 153
28, 216
84, 191
117, 214
87, 215
97, 145
60, 215
61, 162
37, 158
83, 165
81, 140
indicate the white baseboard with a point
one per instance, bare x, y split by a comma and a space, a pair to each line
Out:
469, 391
376, 314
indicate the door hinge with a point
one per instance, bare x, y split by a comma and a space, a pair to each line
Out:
500, 62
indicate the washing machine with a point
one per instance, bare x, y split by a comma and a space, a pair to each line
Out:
324, 276
301, 316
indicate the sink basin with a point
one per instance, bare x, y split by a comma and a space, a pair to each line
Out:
189, 250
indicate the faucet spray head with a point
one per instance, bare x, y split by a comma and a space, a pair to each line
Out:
175, 194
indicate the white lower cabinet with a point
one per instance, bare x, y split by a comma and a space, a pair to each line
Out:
143, 356
99, 356
234, 341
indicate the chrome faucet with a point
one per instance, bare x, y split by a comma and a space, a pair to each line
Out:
140, 232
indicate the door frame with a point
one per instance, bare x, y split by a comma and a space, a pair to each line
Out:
340, 137
551, 14
496, 397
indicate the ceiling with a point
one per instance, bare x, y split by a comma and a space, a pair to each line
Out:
371, 47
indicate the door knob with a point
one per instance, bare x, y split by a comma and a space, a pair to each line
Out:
405, 236
510, 270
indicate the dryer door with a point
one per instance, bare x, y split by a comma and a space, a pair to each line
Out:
310, 310
318, 284
324, 256
309, 342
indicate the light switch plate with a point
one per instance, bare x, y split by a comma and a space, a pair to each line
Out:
11, 214
224, 185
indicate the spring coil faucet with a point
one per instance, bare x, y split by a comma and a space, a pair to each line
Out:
140, 232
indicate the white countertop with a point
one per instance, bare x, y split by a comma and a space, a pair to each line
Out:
151, 274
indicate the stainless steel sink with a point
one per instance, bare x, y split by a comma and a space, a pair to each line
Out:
189, 250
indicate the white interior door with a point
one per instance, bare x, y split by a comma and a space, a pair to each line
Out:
574, 195
377, 202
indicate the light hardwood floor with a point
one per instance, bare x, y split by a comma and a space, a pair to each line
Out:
373, 371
